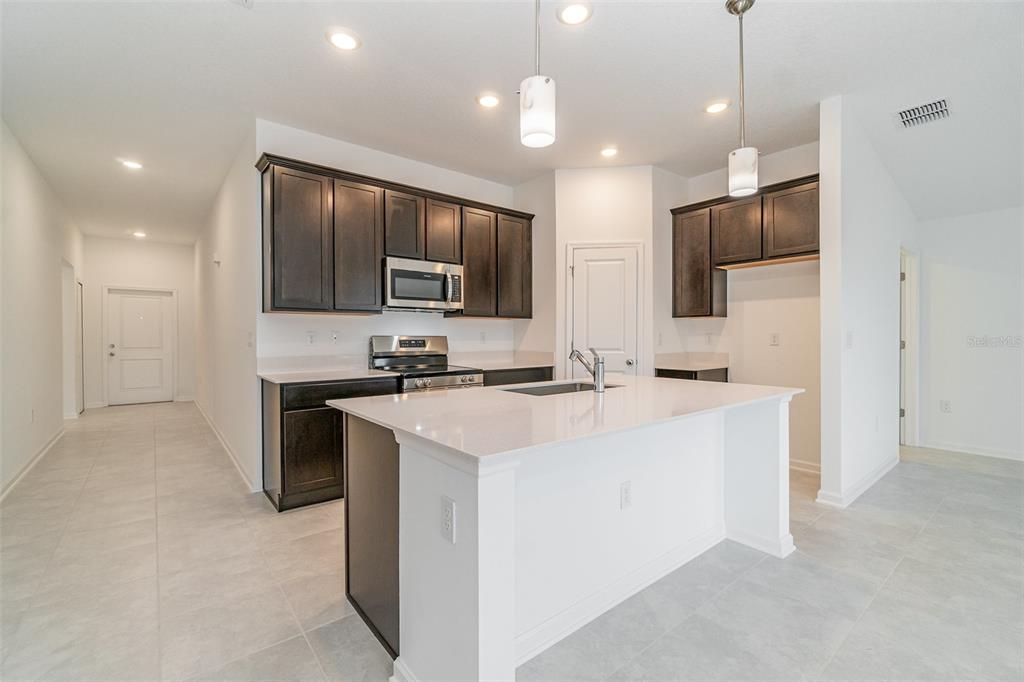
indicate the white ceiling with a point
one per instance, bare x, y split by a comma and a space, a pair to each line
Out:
176, 85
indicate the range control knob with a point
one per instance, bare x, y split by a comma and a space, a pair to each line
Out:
463, 379
470, 379
419, 383
426, 382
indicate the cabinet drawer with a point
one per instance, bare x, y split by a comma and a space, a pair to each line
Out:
302, 396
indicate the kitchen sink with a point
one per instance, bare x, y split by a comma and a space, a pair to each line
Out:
556, 389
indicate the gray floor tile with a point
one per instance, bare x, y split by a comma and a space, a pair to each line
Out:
348, 651
289, 661
318, 600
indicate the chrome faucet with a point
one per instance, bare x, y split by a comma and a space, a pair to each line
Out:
596, 369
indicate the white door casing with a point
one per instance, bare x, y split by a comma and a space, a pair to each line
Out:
140, 345
605, 313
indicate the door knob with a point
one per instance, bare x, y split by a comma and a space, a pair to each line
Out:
629, 363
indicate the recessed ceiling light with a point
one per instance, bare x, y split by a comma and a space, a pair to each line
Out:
134, 165
488, 100
139, 234
343, 39
609, 152
717, 107
575, 13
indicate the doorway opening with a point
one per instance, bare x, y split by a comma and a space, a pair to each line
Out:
605, 305
73, 398
908, 349
140, 344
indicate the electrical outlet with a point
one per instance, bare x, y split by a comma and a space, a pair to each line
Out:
773, 339
310, 338
945, 407
625, 494
448, 518
849, 340
661, 339
707, 339
483, 337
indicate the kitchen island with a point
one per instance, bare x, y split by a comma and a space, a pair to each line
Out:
522, 517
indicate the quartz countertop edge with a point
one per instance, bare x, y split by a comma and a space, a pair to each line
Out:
457, 421
326, 374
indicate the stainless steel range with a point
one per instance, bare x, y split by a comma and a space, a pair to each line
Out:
422, 363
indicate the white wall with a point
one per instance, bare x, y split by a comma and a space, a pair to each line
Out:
972, 314
669, 191
287, 334
863, 227
37, 234
131, 263
595, 205
228, 301
776, 299
538, 197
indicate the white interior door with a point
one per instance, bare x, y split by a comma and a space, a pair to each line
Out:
605, 306
140, 346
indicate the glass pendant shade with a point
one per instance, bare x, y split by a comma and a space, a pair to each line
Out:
537, 111
743, 172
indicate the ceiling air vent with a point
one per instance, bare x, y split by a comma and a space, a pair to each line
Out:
926, 113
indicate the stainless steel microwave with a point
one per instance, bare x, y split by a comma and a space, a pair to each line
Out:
422, 285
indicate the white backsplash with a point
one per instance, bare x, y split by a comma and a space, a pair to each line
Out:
288, 335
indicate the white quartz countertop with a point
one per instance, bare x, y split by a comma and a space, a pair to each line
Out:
492, 360
483, 422
691, 362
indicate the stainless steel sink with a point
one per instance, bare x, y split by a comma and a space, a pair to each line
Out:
555, 389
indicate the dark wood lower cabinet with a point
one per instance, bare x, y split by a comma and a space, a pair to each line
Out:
371, 527
519, 375
303, 439
720, 374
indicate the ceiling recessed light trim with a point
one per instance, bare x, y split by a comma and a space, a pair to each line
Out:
716, 107
344, 39
139, 234
131, 165
610, 152
575, 13
488, 100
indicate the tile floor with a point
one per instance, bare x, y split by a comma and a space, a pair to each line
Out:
132, 551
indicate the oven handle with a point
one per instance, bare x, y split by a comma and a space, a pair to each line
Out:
448, 287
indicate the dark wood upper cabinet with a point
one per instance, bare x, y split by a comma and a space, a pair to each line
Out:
698, 289
358, 245
479, 262
736, 231
515, 267
404, 225
791, 221
297, 241
444, 231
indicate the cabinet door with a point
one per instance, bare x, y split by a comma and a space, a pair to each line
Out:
444, 232
736, 231
479, 262
300, 236
313, 441
358, 245
691, 264
791, 221
404, 225
515, 267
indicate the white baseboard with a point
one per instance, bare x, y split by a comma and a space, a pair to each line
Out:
95, 404
805, 467
847, 497
184, 398
31, 463
972, 450
227, 448
776, 547
563, 624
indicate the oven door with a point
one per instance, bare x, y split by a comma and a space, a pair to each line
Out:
421, 285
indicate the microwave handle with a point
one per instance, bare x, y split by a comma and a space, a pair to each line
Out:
448, 287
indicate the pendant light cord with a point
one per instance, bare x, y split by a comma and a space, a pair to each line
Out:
743, 113
536, 35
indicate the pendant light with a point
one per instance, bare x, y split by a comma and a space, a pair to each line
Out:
742, 161
537, 100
